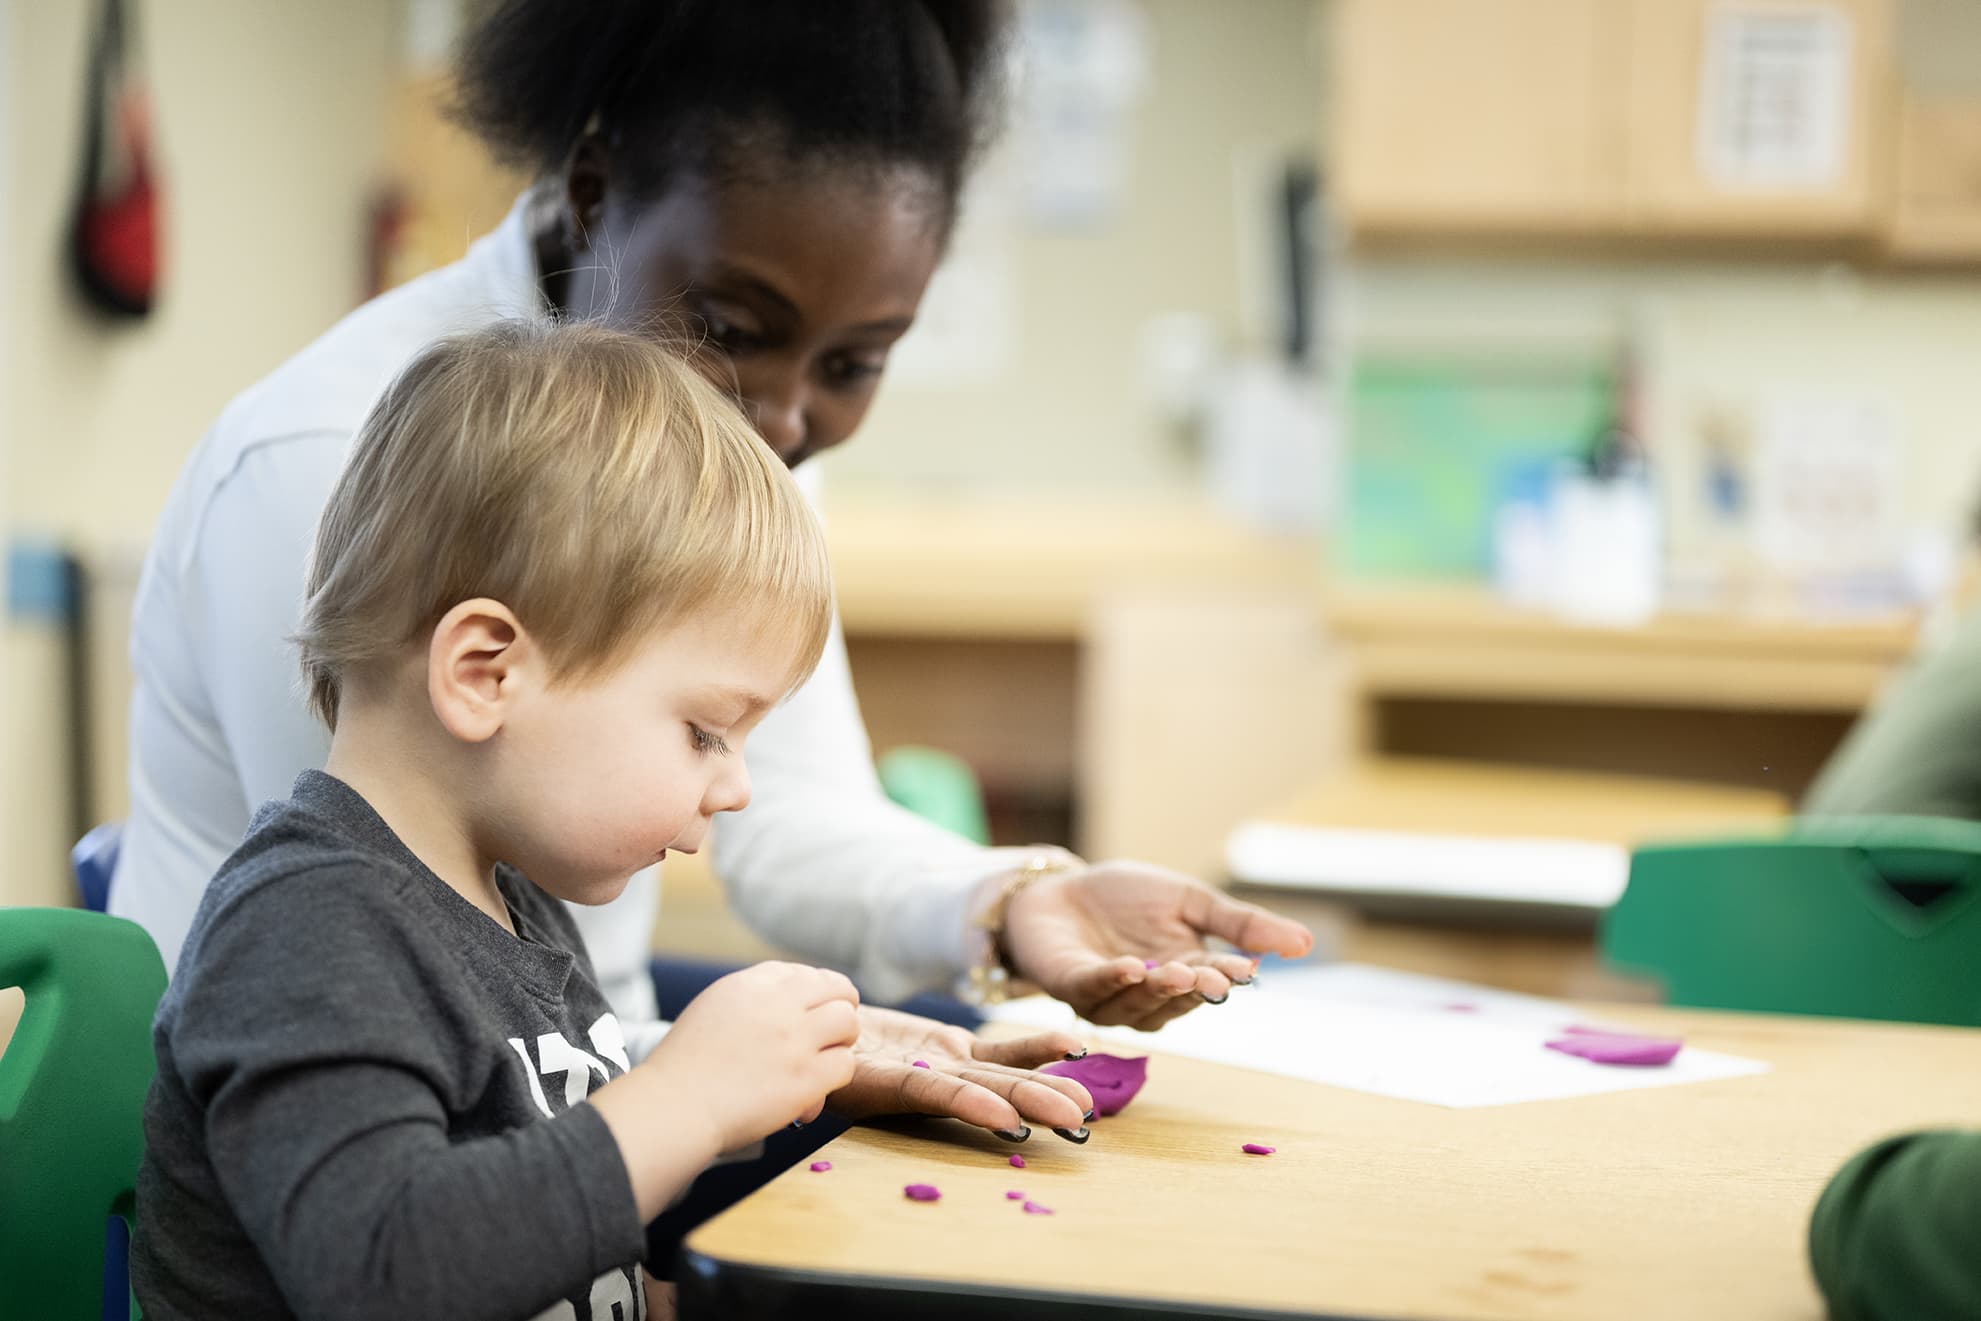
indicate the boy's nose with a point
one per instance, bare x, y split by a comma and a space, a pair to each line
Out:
731, 790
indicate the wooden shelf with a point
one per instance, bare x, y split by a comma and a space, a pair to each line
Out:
1461, 798
1462, 643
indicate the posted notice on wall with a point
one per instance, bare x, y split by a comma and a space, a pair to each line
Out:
1774, 110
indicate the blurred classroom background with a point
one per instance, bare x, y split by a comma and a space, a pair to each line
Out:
1539, 420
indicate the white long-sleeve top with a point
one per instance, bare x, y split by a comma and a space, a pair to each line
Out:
820, 863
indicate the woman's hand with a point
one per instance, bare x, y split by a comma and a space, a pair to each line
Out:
986, 1083
1086, 936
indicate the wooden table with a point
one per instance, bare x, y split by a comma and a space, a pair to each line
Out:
1685, 1202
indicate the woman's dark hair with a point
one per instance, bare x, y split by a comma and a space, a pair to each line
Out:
729, 88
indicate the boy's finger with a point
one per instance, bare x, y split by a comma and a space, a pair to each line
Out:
834, 1023
828, 985
837, 1065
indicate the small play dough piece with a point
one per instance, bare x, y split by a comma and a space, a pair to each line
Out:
1623, 1048
1014, 1196
1017, 1162
921, 1064
1112, 1080
821, 1166
1254, 1149
1150, 963
922, 1192
1034, 1209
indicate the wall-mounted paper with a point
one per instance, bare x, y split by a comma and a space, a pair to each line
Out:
1774, 107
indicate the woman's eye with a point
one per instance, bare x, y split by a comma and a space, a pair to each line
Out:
847, 371
727, 335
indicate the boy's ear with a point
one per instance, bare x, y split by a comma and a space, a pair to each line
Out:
477, 660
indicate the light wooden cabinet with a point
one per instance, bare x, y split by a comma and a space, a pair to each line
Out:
1611, 118
1761, 117
1477, 114
1936, 198
1936, 202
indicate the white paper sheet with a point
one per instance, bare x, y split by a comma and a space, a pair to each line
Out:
1774, 108
1394, 1034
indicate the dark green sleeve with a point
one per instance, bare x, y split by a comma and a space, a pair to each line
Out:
1917, 751
1897, 1234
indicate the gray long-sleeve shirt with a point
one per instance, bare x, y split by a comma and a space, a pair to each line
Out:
370, 1098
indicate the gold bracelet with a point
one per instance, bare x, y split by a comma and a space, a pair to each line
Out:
991, 976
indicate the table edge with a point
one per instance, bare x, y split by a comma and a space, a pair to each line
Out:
710, 1286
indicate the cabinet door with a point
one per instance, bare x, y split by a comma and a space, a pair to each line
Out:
1936, 215
1477, 116
1758, 117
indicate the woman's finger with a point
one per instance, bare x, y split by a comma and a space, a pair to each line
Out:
932, 1091
1247, 926
1056, 1103
1238, 969
1027, 1052
1136, 1004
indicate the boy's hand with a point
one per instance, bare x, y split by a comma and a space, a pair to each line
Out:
762, 1047
986, 1083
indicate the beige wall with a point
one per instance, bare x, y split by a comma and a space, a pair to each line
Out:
1229, 82
271, 123
7, 300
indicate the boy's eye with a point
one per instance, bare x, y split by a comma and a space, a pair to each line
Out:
706, 742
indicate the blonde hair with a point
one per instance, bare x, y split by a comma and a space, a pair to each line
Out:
588, 479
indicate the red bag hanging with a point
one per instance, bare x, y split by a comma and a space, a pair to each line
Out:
114, 236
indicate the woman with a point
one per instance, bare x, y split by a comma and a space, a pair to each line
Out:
777, 180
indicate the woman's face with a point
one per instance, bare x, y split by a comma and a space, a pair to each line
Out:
798, 288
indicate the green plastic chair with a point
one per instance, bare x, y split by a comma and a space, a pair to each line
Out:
938, 786
1876, 917
72, 1088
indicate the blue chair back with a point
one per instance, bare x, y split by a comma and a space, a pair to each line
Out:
94, 859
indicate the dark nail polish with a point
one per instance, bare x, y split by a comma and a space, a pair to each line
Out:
1075, 1135
1079, 1054
797, 1123
1241, 981
1087, 1118
1220, 1000
1018, 1134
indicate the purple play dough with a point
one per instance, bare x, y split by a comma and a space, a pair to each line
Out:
922, 1192
1255, 1149
1017, 1162
1112, 1080
1602, 1046
1034, 1209
1014, 1196
921, 1064
821, 1166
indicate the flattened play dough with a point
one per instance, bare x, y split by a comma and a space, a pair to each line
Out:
1112, 1080
1602, 1046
